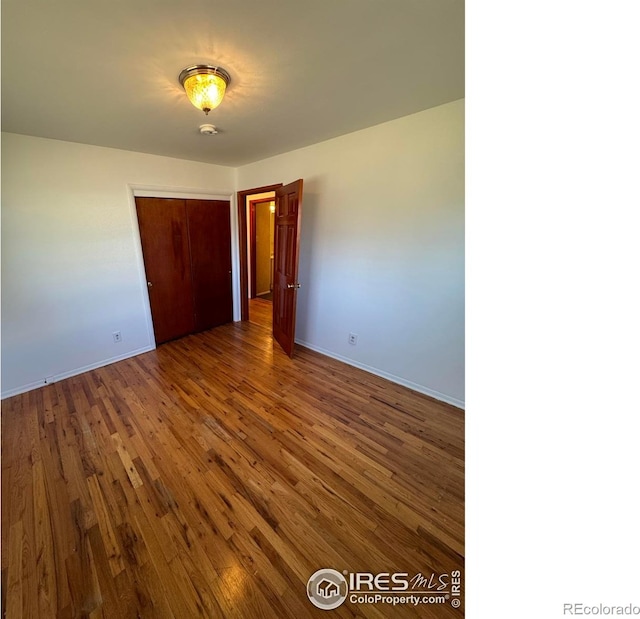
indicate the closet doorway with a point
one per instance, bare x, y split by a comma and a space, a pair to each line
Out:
186, 246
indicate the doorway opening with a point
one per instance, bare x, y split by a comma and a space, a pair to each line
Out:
251, 305
261, 210
286, 252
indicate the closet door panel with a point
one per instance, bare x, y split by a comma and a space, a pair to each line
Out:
165, 248
209, 227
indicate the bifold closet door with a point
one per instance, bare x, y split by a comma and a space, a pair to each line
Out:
167, 261
186, 246
210, 242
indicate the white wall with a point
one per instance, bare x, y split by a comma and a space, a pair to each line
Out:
70, 253
382, 250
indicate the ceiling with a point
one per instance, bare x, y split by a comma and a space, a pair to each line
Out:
302, 71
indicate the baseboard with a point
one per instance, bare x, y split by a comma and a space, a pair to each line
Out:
367, 368
382, 374
87, 368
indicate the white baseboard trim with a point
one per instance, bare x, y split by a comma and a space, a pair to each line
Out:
394, 379
87, 368
367, 368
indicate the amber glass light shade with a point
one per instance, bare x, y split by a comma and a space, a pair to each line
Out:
205, 86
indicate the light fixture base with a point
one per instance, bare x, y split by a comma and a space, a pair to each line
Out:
203, 69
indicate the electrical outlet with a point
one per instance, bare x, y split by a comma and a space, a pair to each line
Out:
117, 336
353, 339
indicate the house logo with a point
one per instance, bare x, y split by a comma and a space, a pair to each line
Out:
327, 589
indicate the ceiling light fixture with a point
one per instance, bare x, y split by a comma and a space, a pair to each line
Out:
205, 85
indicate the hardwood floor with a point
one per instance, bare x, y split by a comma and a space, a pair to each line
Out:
261, 312
212, 476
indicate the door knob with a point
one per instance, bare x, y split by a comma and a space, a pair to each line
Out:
149, 284
293, 286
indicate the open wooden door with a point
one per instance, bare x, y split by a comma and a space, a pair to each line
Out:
286, 254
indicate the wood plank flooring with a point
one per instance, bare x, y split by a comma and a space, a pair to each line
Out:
212, 476
261, 312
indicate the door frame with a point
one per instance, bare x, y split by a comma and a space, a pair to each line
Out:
242, 243
151, 191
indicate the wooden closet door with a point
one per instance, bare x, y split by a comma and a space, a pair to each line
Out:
209, 226
165, 248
